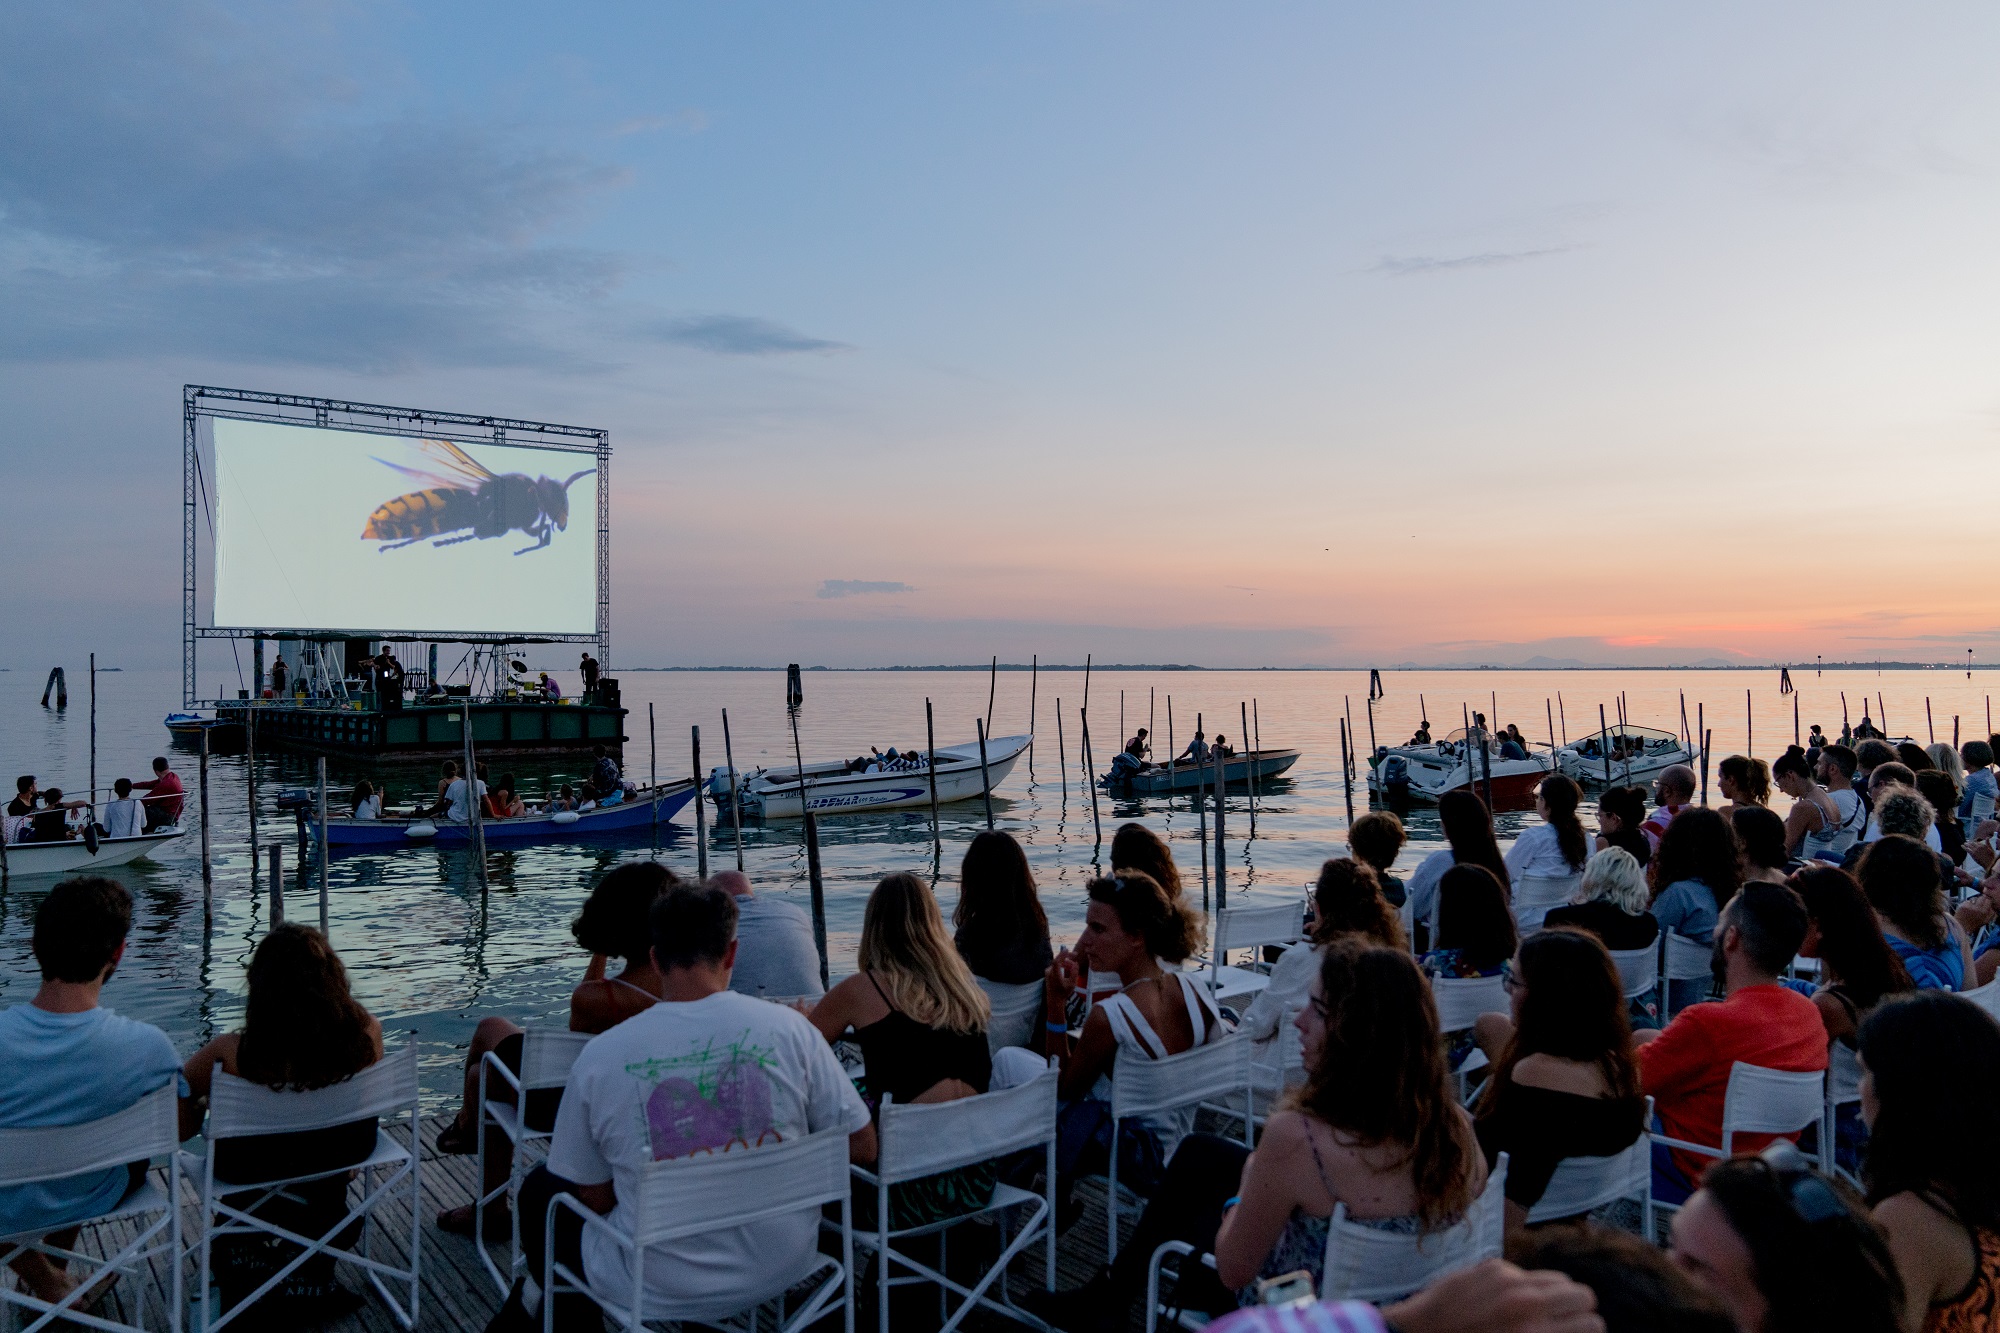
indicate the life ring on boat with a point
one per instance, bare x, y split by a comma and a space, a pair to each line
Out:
421, 830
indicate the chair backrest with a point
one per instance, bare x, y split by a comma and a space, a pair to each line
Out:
238, 1107
1248, 927
1014, 1012
1583, 1183
1987, 997
1201, 1073
1364, 1264
1461, 1000
689, 1195
146, 1129
1638, 969
1536, 894
1683, 959
547, 1054
1843, 1074
1770, 1101
922, 1140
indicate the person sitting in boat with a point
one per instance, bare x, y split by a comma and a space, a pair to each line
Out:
1223, 750
563, 800
1423, 736
1197, 750
604, 786
501, 802
125, 816
1866, 730
1138, 748
163, 806
51, 823
367, 801
1511, 745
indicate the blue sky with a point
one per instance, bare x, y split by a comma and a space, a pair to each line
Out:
1251, 334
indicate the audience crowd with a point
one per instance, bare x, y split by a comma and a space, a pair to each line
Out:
1842, 938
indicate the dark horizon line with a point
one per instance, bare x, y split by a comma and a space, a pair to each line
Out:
1400, 667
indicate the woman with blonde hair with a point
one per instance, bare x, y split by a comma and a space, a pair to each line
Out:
920, 1020
1613, 902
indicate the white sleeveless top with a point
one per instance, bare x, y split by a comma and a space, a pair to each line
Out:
1137, 1041
1832, 840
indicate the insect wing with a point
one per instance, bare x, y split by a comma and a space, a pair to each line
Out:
457, 468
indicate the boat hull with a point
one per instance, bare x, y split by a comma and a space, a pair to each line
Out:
1431, 775
63, 858
624, 817
1624, 772
1236, 772
774, 793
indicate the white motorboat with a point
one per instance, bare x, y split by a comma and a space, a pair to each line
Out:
74, 855
1426, 772
833, 788
1622, 755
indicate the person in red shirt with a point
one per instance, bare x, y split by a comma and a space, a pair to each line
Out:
1685, 1068
163, 806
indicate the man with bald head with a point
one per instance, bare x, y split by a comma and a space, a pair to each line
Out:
775, 954
1673, 791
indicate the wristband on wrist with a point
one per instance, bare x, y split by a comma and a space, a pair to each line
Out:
1057, 1027
1231, 1202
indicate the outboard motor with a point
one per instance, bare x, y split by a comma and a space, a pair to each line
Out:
1395, 771
1123, 767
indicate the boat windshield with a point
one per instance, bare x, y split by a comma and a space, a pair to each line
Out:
1627, 740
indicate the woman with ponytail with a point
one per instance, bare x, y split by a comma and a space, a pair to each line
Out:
1557, 847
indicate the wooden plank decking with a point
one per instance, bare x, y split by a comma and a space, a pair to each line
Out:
458, 1295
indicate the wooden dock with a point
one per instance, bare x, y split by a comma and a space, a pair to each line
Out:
459, 1296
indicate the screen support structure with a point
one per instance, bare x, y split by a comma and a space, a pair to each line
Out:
198, 401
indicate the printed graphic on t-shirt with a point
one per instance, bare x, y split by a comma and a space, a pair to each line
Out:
712, 1099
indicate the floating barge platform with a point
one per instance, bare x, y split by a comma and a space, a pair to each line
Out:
432, 729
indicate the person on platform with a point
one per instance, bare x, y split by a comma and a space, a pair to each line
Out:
550, 690
389, 673
279, 673
588, 669
163, 807
125, 815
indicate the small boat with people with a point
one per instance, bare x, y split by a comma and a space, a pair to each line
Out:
1136, 777
87, 852
1424, 769
634, 809
1622, 754
879, 780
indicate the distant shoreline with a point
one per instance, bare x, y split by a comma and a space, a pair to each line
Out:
1800, 667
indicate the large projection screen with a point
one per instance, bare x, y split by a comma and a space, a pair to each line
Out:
349, 530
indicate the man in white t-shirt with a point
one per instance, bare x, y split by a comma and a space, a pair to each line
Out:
776, 956
456, 810
124, 817
704, 1071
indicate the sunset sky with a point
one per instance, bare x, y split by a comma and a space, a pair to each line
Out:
1229, 334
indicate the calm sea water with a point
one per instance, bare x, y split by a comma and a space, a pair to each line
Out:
430, 954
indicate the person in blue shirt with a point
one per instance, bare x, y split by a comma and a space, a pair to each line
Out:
1694, 875
69, 1060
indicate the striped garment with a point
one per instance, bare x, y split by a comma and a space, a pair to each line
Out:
1316, 1317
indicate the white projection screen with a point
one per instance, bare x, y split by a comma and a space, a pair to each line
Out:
347, 530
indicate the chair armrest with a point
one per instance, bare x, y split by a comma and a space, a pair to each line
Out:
591, 1218
491, 1063
863, 1174
1701, 1148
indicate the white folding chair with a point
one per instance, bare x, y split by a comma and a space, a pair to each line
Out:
1015, 1013
1581, 1184
142, 1131
1987, 997
687, 1196
1638, 969
1681, 959
1461, 1000
1364, 1264
241, 1109
1759, 1101
1199, 1076
546, 1057
1534, 895
1843, 1087
1248, 928
924, 1140
1285, 1067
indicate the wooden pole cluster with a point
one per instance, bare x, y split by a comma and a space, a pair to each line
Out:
735, 810
700, 815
